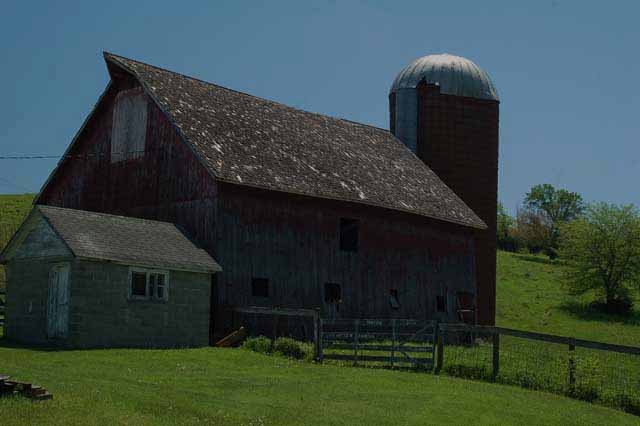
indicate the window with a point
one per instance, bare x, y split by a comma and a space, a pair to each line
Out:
148, 284
332, 293
348, 234
158, 285
260, 287
441, 304
129, 127
393, 299
138, 284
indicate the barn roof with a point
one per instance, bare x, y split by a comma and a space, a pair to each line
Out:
255, 142
126, 239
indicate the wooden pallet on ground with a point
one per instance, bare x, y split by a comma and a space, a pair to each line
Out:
28, 390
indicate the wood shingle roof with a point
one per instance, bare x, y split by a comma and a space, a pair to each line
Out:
255, 142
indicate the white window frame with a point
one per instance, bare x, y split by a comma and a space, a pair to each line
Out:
148, 296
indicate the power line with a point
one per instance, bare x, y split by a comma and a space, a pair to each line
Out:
79, 156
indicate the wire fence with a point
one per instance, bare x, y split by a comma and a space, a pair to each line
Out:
590, 371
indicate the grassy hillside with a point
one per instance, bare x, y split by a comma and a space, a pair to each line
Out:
530, 297
234, 386
13, 209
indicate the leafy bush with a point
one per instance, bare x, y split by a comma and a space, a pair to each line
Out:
289, 347
258, 344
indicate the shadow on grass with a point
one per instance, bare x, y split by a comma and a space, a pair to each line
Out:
11, 344
588, 312
535, 259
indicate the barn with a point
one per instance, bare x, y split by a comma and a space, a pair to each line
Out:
85, 279
303, 210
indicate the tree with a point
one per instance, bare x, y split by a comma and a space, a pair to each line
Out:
532, 230
602, 250
558, 206
505, 222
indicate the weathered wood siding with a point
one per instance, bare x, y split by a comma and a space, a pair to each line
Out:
294, 242
167, 183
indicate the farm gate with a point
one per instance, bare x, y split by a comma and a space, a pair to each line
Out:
386, 342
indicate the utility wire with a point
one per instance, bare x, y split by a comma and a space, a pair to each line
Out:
40, 156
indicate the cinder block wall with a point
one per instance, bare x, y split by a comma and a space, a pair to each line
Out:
101, 314
26, 310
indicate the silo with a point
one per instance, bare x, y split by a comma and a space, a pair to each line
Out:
446, 110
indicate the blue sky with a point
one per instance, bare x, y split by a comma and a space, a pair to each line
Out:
568, 72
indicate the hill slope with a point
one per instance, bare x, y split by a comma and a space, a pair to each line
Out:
530, 297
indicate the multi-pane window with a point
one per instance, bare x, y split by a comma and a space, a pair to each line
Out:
138, 284
349, 234
148, 284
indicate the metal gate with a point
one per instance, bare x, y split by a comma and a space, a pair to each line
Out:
386, 342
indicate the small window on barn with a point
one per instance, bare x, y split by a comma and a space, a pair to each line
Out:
129, 127
393, 299
139, 285
158, 285
441, 303
348, 234
332, 293
260, 287
148, 284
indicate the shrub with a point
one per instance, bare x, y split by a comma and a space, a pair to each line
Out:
259, 344
289, 347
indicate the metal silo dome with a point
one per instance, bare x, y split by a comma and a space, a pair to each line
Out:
455, 75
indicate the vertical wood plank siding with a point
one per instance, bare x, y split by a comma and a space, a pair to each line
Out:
167, 183
291, 240
294, 242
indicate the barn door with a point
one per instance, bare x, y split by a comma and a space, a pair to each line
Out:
58, 302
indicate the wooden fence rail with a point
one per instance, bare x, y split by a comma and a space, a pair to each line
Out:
495, 332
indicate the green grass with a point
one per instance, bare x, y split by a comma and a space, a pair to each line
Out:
13, 209
239, 387
530, 297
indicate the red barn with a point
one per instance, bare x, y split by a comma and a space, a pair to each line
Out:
300, 210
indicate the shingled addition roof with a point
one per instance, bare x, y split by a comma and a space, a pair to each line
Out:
251, 141
127, 239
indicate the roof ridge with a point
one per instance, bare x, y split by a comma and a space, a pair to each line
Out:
106, 54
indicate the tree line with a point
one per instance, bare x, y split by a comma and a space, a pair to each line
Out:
599, 243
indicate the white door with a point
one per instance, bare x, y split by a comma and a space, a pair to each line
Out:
58, 303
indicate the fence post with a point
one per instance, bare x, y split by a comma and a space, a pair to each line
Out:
355, 342
393, 342
275, 326
496, 355
439, 360
317, 333
572, 366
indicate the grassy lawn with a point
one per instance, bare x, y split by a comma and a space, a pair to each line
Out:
234, 386
530, 297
